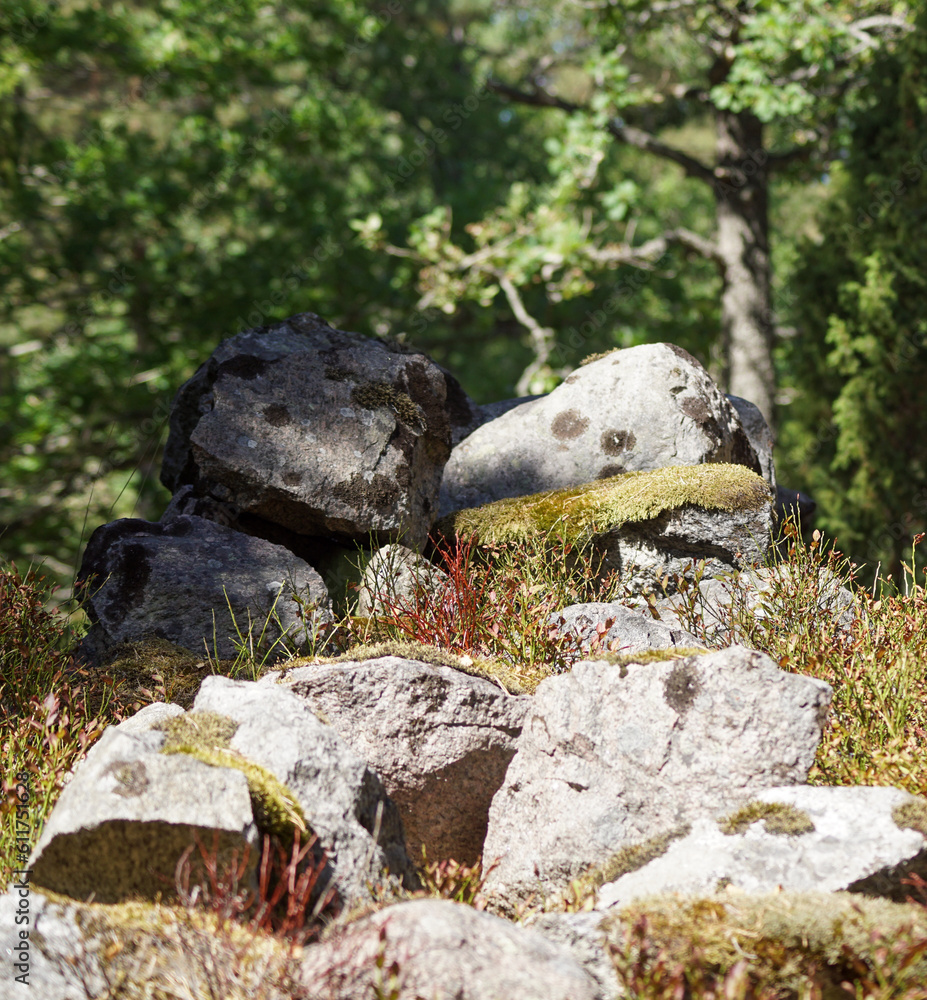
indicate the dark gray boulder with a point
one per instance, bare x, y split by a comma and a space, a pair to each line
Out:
195, 583
317, 430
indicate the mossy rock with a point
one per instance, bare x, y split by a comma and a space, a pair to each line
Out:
154, 664
206, 736
579, 513
512, 681
787, 940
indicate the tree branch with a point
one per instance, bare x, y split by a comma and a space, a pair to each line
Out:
627, 134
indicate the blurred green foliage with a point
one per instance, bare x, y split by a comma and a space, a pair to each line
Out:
172, 172
858, 367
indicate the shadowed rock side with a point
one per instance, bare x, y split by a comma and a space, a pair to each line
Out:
635, 409
193, 582
320, 431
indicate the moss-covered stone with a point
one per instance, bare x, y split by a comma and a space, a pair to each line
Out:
206, 736
912, 815
652, 655
779, 818
512, 681
628, 859
789, 941
580, 512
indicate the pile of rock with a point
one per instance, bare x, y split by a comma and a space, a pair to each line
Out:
669, 769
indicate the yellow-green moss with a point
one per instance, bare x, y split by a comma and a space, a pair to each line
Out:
785, 938
653, 655
494, 670
628, 859
780, 818
154, 950
579, 512
206, 736
590, 358
912, 815
172, 671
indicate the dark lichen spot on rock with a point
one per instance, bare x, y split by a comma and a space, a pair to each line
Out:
681, 687
131, 776
374, 395
695, 407
570, 379
292, 478
615, 442
569, 424
244, 366
380, 493
277, 415
685, 355
607, 471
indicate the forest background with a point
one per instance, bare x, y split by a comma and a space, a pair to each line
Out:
509, 186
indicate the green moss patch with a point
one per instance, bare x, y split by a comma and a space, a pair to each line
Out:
156, 665
912, 815
206, 736
652, 655
496, 671
779, 818
628, 859
787, 941
580, 512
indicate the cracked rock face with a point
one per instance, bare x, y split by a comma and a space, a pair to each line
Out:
612, 756
319, 431
641, 408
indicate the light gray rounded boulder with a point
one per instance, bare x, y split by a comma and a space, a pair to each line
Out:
636, 409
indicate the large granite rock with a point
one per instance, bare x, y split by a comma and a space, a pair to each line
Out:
649, 526
195, 583
130, 812
610, 756
641, 408
436, 948
800, 839
342, 799
317, 430
440, 740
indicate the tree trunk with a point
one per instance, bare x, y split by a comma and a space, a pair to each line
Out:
742, 195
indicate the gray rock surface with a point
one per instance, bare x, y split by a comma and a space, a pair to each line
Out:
443, 951
616, 628
587, 943
855, 845
179, 580
320, 431
62, 962
641, 408
761, 437
675, 541
612, 756
440, 740
342, 798
396, 573
129, 813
